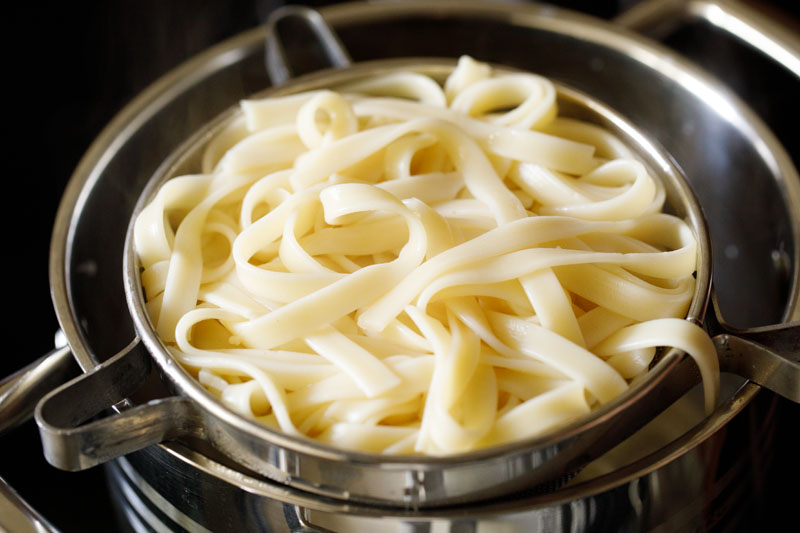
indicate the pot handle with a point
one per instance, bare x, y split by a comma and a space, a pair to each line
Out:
21, 391
71, 443
658, 19
279, 65
17, 515
767, 355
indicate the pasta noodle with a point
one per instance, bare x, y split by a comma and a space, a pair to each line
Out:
409, 268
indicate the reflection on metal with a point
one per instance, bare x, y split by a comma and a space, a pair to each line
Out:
16, 516
278, 65
20, 392
753, 29
659, 17
202, 494
132, 485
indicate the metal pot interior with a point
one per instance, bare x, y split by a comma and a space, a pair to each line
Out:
673, 102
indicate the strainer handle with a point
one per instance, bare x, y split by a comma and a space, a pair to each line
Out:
70, 443
768, 355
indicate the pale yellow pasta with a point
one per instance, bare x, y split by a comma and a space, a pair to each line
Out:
403, 267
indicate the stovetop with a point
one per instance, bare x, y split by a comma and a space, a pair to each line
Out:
70, 68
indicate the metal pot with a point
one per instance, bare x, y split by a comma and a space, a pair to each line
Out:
594, 46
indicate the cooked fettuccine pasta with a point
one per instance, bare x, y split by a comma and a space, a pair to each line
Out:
408, 268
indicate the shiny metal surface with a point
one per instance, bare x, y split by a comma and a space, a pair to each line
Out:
194, 91
72, 444
17, 516
21, 391
649, 492
658, 17
768, 356
276, 62
774, 42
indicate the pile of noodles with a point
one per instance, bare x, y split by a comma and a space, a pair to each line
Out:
403, 267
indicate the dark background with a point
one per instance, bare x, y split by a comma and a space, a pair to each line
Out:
70, 66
